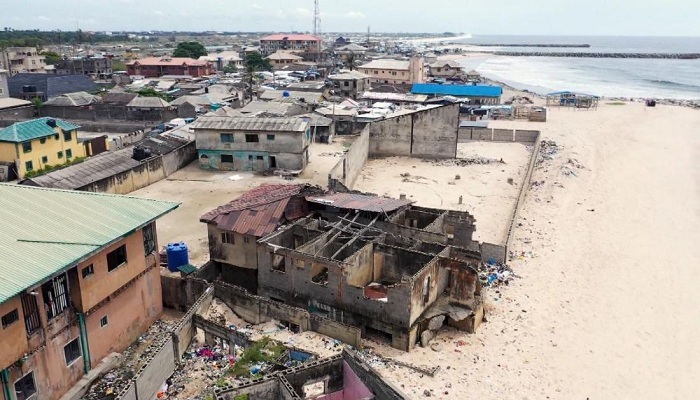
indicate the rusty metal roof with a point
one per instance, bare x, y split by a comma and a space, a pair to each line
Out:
361, 202
260, 211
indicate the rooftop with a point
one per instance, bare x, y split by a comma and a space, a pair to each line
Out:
224, 55
122, 98
33, 129
49, 84
251, 124
285, 36
387, 64
10, 103
283, 55
148, 102
47, 231
309, 97
457, 90
361, 202
76, 99
352, 47
442, 63
348, 75
165, 61
259, 211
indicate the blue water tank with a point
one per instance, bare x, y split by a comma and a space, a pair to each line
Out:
177, 255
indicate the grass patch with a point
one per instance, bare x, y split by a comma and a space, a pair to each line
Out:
616, 103
48, 168
264, 350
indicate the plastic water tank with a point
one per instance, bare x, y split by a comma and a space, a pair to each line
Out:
177, 255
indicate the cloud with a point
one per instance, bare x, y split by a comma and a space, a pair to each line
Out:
158, 12
354, 15
301, 13
43, 18
255, 6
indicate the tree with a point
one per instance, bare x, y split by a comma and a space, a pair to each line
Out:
230, 69
257, 62
350, 60
190, 50
118, 65
51, 57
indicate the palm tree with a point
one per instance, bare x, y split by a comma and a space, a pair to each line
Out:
350, 60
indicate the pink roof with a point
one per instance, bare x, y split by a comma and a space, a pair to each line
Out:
168, 61
281, 36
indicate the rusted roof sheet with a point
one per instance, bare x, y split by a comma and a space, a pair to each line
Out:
260, 211
361, 202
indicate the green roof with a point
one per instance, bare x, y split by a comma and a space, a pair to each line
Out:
46, 231
187, 269
34, 129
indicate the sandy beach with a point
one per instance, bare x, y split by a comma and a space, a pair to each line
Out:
607, 308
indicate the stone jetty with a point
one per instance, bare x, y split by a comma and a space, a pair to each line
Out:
680, 56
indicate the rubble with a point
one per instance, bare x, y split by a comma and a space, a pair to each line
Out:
548, 149
493, 274
463, 162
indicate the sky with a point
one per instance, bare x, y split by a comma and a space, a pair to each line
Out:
507, 17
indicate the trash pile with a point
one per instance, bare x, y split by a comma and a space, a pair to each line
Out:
569, 167
336, 154
494, 274
131, 360
548, 149
463, 162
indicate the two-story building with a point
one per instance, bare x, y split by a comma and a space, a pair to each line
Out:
90, 65
446, 69
224, 59
80, 280
22, 59
283, 41
4, 88
252, 144
350, 83
32, 145
403, 72
153, 67
281, 58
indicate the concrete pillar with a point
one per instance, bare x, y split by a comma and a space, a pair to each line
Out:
209, 339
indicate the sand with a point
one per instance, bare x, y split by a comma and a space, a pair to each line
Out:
608, 307
484, 188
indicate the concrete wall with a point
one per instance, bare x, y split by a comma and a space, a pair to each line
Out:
344, 333
157, 369
349, 167
145, 174
263, 389
184, 331
242, 252
524, 188
180, 293
106, 111
16, 114
497, 135
391, 137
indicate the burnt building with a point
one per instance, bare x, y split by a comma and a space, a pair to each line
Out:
397, 271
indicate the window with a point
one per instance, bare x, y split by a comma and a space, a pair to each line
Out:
252, 138
87, 271
259, 158
227, 237
69, 153
10, 318
116, 258
25, 387
103, 321
44, 159
227, 137
55, 293
346, 83
226, 158
28, 165
55, 136
72, 351
278, 263
42, 140
149, 239
31, 313
67, 136
246, 239
270, 137
26, 147
59, 154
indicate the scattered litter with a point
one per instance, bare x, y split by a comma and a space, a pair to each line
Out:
494, 274
463, 162
235, 177
548, 149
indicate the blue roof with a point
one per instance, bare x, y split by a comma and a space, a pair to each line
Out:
566, 92
457, 90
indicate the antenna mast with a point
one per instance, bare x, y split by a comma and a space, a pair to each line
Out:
317, 19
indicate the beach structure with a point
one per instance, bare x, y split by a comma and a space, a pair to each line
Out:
572, 99
474, 94
81, 281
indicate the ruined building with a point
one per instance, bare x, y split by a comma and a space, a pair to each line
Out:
395, 270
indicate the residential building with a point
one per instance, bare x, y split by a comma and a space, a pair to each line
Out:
153, 67
28, 86
350, 83
32, 145
224, 59
22, 59
306, 43
252, 144
4, 88
90, 65
446, 69
283, 57
387, 71
471, 94
81, 281
393, 269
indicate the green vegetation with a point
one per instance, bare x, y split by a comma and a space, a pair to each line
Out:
264, 350
150, 92
36, 38
51, 57
117, 65
257, 62
190, 49
616, 103
230, 69
243, 396
48, 168
221, 382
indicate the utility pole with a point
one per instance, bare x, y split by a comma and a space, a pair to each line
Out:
317, 19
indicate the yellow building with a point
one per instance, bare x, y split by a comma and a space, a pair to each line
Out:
32, 145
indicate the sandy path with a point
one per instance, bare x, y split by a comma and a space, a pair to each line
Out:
608, 308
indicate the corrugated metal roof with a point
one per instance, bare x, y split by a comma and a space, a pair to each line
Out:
361, 202
33, 129
309, 97
148, 102
457, 90
258, 212
46, 231
387, 64
251, 124
76, 99
285, 36
10, 102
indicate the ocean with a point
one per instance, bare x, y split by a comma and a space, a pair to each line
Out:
609, 77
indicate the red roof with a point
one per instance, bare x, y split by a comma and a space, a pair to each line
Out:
260, 211
165, 61
361, 202
283, 36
